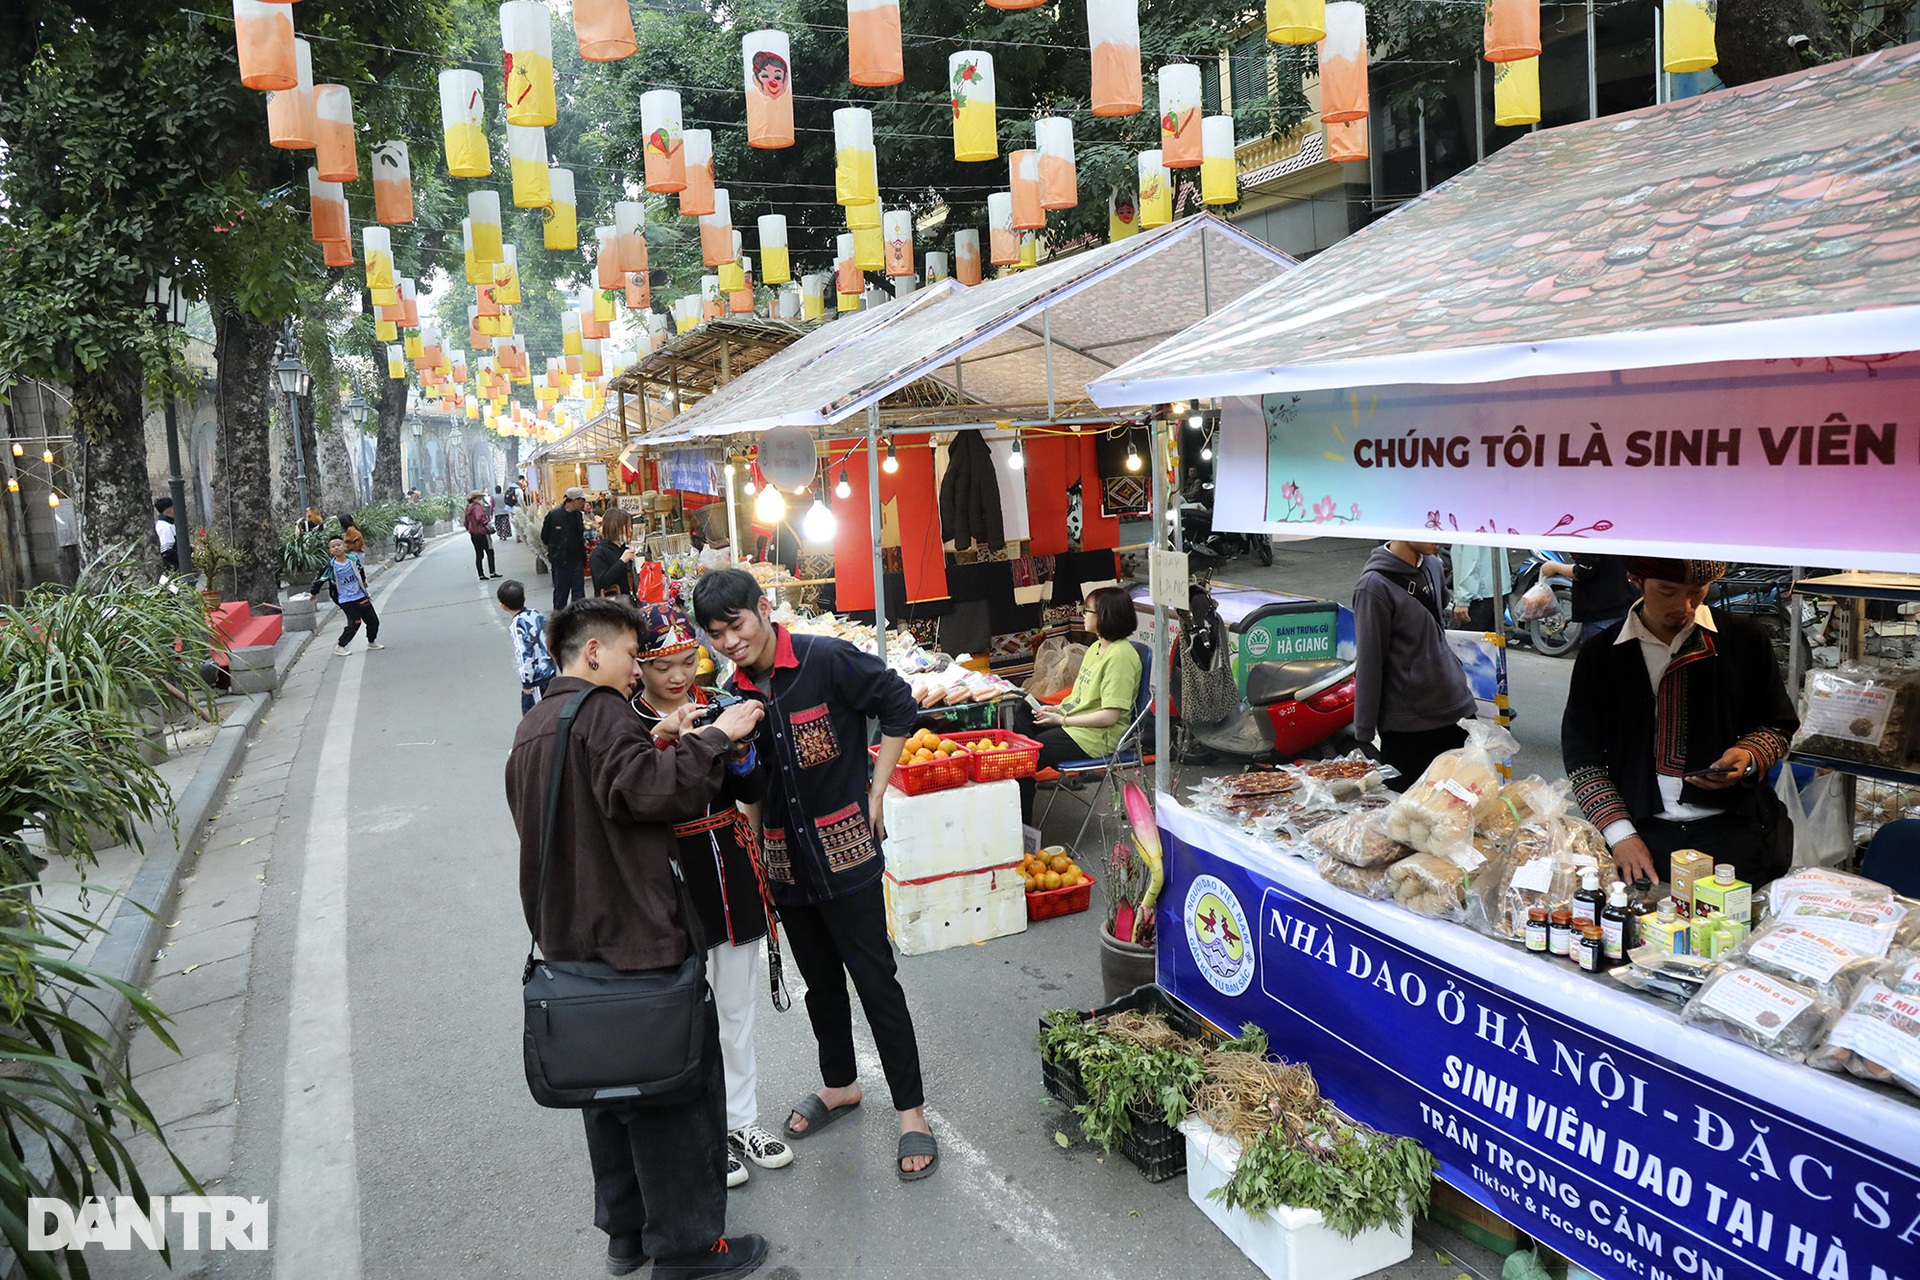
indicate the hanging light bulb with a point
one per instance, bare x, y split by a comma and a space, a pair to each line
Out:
53, 499
1133, 456
13, 484
46, 456
18, 449
770, 507
890, 464
1196, 421
843, 489
749, 487
729, 470
1206, 452
1019, 459
819, 524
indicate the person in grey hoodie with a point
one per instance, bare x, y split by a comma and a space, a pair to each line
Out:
1408, 687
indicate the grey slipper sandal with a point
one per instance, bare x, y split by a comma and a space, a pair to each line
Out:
816, 1113
915, 1143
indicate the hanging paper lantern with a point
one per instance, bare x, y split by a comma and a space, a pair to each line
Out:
410, 304
970, 92
1511, 30
527, 158
847, 278
263, 35
863, 217
1347, 141
855, 170
411, 344
1296, 21
1180, 115
1687, 31
1343, 63
606, 258
392, 184
1023, 183
604, 30
665, 150
462, 124
290, 120
870, 247
966, 257
716, 231
561, 228
477, 337
1516, 92
1113, 36
603, 311
733, 278
769, 73
570, 333
686, 312
873, 43
1003, 242
630, 241
590, 366
431, 352
1014, 4
774, 265
1059, 184
639, 291
376, 243
1029, 250
813, 295
337, 253
1156, 191
388, 331
483, 209
696, 199
712, 304
937, 268
327, 203
526, 37
506, 277
898, 230
1219, 184
740, 300
396, 362
334, 153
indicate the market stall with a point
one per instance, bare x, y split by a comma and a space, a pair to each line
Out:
1676, 332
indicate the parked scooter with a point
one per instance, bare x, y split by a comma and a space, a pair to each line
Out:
1290, 708
408, 538
1195, 515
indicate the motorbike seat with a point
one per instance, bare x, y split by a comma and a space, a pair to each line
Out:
1270, 682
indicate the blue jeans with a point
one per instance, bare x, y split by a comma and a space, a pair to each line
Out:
530, 696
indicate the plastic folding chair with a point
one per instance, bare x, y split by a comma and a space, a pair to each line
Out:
1104, 772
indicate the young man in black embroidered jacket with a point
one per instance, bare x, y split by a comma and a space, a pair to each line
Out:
1674, 717
820, 835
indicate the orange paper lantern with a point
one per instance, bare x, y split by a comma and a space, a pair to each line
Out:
327, 203
1059, 184
1347, 141
1003, 239
1511, 30
604, 30
898, 230
392, 184
1113, 38
696, 199
665, 148
334, 153
769, 75
290, 122
1180, 116
263, 37
1343, 63
1023, 180
716, 232
873, 43
966, 257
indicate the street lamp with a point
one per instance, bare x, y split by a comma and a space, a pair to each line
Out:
359, 410
294, 381
165, 297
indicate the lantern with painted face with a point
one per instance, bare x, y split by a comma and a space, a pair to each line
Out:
938, 266
290, 121
898, 230
392, 184
855, 169
1059, 184
1156, 191
603, 29
561, 226
335, 153
526, 38
1180, 115
463, 109
664, 147
696, 200
966, 256
971, 94
1113, 38
1516, 92
1687, 35
873, 43
774, 264
1296, 21
1219, 184
527, 156
716, 231
1343, 63
263, 36
1003, 240
769, 75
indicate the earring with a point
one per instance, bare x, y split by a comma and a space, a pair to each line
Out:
592, 665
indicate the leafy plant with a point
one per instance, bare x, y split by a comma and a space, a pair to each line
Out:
1144, 1067
1357, 1177
303, 553
213, 554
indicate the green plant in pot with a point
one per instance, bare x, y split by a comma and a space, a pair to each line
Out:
1134, 877
215, 557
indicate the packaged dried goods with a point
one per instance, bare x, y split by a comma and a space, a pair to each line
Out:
1878, 1037
1429, 885
1771, 1014
1861, 711
1498, 818
1368, 882
1808, 957
1358, 839
1858, 921
1350, 776
1436, 813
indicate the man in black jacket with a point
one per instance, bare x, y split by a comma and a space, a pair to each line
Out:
1674, 716
564, 535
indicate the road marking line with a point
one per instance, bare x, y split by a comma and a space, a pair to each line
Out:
317, 1203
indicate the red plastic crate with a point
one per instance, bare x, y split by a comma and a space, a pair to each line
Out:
995, 766
1048, 903
929, 775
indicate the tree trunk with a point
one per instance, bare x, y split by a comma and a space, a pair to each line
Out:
287, 509
243, 485
390, 406
336, 492
116, 506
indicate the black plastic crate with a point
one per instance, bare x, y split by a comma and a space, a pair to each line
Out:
1156, 1148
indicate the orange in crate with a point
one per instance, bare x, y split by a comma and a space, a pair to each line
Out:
928, 763
988, 761
1056, 885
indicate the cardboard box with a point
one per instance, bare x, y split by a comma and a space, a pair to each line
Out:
1468, 1218
1689, 868
1733, 900
1668, 939
954, 910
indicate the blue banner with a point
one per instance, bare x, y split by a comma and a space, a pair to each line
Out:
1588, 1118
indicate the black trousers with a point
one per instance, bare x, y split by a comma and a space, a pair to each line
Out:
569, 584
482, 550
1411, 753
662, 1170
357, 612
847, 937
1757, 856
1056, 746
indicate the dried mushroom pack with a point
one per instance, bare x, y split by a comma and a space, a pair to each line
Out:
1809, 957
1428, 885
1358, 839
1862, 711
1368, 882
1878, 1037
1773, 1015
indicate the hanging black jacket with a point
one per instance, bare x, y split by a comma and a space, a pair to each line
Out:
970, 494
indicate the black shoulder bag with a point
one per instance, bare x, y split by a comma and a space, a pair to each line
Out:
597, 1035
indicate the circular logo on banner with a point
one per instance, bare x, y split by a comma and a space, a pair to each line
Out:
1259, 640
787, 458
1218, 936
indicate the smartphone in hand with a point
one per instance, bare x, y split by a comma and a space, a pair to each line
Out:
1731, 771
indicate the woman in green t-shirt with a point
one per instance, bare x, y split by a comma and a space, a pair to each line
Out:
1089, 722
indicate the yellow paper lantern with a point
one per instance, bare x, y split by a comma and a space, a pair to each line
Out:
392, 184
396, 362
1219, 182
526, 37
869, 248
413, 345
966, 256
376, 245
1516, 92
387, 330
263, 37
1113, 39
1023, 184
462, 124
1156, 191
1003, 241
483, 211
813, 295
716, 231
1343, 63
1687, 35
665, 146
560, 229
477, 272
863, 217
855, 168
1059, 184
696, 199
733, 277
1180, 115
506, 277
769, 80
1511, 30
873, 43
1029, 250
290, 121
1296, 21
970, 91
774, 265
570, 333
334, 152
527, 159
603, 29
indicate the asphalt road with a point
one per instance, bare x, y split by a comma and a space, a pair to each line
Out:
381, 1099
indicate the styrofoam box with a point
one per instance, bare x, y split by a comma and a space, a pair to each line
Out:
1285, 1243
954, 910
959, 829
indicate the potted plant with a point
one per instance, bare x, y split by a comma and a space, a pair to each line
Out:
1134, 877
213, 555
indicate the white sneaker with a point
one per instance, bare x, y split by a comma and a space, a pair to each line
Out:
340, 651
736, 1169
373, 645
760, 1146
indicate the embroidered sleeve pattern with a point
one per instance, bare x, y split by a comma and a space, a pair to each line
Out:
1599, 799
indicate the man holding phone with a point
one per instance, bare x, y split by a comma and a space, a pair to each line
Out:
1674, 717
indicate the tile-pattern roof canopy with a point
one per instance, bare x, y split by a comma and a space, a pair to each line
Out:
1771, 220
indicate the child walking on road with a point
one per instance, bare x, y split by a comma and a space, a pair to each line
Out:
530, 653
347, 584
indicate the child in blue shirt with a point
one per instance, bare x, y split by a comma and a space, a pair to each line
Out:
346, 582
530, 654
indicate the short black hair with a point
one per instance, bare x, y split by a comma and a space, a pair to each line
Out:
591, 617
721, 596
513, 594
162, 505
1114, 617
346, 520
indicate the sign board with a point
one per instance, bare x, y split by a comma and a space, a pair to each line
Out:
1287, 633
1809, 462
597, 477
1588, 1117
1167, 577
787, 457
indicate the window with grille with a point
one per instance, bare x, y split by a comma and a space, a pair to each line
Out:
1210, 86
1249, 74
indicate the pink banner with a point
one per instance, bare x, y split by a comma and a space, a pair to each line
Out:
1813, 462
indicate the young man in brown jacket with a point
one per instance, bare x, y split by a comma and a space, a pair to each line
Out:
659, 1172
